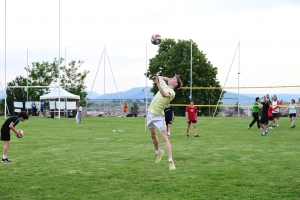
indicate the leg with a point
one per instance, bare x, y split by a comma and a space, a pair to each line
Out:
188, 128
195, 128
257, 120
293, 121
167, 143
154, 138
5, 148
169, 128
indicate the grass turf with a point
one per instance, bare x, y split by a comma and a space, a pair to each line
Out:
59, 159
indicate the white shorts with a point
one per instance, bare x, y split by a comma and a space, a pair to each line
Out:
157, 121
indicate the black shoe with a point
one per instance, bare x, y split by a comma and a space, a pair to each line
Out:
187, 135
197, 135
293, 126
5, 160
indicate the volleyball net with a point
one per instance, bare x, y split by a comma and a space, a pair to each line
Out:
239, 100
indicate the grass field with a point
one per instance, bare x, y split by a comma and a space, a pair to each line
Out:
59, 159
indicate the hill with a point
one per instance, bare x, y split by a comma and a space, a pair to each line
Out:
133, 93
230, 98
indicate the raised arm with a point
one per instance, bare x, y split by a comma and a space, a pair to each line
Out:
158, 81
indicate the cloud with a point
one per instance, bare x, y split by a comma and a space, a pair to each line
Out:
268, 30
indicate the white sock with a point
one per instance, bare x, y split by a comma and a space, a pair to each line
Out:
169, 133
4, 156
170, 160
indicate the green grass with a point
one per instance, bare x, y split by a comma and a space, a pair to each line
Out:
59, 159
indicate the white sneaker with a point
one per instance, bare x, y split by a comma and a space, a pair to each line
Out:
168, 135
270, 127
249, 127
278, 126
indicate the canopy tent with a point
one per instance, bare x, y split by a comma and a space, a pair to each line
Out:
59, 93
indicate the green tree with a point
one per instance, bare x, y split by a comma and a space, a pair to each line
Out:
134, 109
42, 74
47, 73
174, 58
16, 94
73, 81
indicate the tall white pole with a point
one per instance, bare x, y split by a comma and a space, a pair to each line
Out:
104, 84
59, 59
27, 79
5, 63
239, 78
191, 75
65, 67
146, 103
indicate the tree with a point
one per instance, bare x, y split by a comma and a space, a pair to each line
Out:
134, 109
174, 58
41, 74
16, 94
47, 73
73, 81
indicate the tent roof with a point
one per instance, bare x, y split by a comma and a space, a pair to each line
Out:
59, 92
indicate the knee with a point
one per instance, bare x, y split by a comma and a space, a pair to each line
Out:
165, 138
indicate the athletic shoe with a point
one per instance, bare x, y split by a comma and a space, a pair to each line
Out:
293, 126
261, 129
187, 135
270, 127
172, 165
5, 160
249, 127
274, 125
197, 135
278, 126
266, 133
159, 156
168, 135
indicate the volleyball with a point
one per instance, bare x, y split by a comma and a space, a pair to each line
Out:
156, 39
21, 134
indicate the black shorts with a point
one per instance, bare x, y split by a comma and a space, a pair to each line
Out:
292, 115
264, 120
5, 134
192, 121
168, 121
276, 115
270, 118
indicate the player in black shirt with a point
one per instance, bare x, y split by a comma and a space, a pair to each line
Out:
169, 118
264, 117
9, 124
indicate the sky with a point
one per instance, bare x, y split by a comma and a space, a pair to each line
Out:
266, 35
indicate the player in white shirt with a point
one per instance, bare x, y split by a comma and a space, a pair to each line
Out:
275, 104
78, 115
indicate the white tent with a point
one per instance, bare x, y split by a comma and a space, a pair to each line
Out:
59, 93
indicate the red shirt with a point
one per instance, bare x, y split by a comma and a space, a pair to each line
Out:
192, 113
270, 111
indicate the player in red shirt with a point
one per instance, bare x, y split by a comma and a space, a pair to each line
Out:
191, 117
270, 116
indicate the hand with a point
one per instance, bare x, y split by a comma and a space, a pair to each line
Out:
155, 79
